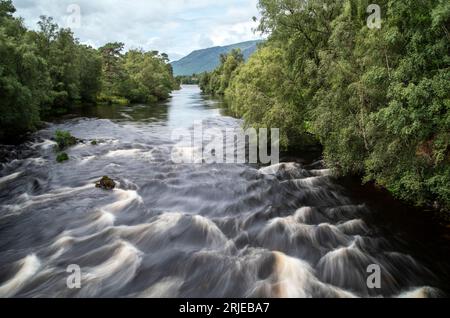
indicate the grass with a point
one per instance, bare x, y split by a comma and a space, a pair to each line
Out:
64, 139
61, 157
112, 100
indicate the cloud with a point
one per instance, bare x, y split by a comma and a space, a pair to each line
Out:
173, 26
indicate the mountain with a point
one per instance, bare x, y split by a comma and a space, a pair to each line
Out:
207, 60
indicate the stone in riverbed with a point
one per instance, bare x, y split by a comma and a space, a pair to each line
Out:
106, 183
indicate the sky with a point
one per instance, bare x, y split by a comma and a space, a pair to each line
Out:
176, 27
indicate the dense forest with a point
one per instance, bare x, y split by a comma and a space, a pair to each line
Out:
377, 99
44, 72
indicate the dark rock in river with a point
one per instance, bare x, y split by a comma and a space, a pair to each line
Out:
106, 183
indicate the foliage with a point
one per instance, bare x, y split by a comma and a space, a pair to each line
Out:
112, 100
64, 139
61, 157
44, 72
216, 82
149, 75
90, 73
136, 76
377, 99
24, 79
74, 69
256, 94
113, 70
188, 80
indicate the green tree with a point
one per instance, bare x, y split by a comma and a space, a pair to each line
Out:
43, 72
376, 99
411, 156
217, 82
113, 70
24, 81
150, 78
261, 92
75, 69
90, 73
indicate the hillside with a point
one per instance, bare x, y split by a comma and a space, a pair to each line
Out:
207, 60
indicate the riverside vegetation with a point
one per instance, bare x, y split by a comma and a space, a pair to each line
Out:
44, 72
377, 100
139, 225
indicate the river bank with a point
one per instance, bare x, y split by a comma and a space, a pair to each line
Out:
217, 230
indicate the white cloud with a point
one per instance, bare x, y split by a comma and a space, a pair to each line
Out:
234, 33
173, 26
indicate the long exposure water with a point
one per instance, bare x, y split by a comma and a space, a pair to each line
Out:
196, 230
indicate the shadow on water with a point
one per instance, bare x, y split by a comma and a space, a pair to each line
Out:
181, 110
136, 112
148, 113
198, 230
423, 233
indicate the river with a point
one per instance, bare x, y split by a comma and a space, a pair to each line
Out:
199, 230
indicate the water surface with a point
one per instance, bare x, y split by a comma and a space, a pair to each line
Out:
171, 230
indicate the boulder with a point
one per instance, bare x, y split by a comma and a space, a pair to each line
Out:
106, 183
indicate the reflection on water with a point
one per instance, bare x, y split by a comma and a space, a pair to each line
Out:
185, 107
144, 113
173, 230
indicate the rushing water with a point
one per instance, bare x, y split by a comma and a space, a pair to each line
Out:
171, 230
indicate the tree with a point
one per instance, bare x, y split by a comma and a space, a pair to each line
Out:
43, 72
412, 154
261, 91
150, 78
113, 71
75, 69
376, 99
218, 81
6, 9
90, 73
24, 81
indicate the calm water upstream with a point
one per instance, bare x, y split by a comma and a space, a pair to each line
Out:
171, 230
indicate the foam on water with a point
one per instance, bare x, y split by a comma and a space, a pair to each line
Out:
10, 177
188, 230
28, 267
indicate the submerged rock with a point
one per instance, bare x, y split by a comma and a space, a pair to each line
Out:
106, 183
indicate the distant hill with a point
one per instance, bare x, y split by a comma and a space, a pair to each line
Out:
207, 60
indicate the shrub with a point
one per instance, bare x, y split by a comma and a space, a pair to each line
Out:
64, 139
61, 157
